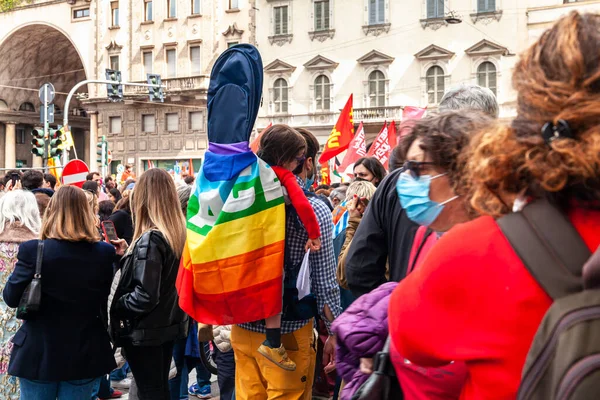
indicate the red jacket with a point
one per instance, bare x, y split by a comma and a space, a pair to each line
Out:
472, 300
299, 201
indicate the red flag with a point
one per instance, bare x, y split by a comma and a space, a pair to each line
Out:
392, 135
341, 135
325, 178
256, 142
410, 112
356, 149
380, 149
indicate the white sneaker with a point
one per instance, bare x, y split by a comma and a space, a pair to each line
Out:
122, 384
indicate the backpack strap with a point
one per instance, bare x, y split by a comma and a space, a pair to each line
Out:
549, 246
421, 237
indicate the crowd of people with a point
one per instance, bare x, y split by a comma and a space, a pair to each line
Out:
416, 264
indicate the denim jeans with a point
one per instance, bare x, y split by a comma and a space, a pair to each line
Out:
102, 389
64, 390
179, 384
120, 373
226, 373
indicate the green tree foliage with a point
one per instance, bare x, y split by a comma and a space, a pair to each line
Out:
8, 5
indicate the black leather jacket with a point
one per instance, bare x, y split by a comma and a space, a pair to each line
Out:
145, 309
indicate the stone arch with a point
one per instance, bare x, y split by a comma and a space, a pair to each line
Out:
36, 53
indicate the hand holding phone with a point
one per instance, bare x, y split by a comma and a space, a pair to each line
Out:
110, 233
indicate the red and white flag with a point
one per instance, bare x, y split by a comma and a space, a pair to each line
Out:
380, 149
392, 135
356, 149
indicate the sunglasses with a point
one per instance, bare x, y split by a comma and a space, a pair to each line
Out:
415, 167
300, 160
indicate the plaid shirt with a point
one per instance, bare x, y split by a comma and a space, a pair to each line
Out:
322, 265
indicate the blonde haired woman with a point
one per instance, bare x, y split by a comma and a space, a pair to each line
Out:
145, 315
63, 349
19, 222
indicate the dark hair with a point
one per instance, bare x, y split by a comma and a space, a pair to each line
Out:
124, 204
312, 148
116, 194
7, 177
374, 166
443, 138
51, 179
90, 176
280, 144
189, 180
32, 179
108, 178
90, 186
335, 185
105, 209
326, 187
396, 160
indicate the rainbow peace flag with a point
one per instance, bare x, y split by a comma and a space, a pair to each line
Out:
232, 266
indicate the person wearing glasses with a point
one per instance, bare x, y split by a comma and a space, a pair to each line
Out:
428, 188
284, 150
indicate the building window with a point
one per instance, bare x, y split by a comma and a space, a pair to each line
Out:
195, 7
27, 107
114, 13
172, 122
196, 121
487, 76
376, 89
171, 63
147, 62
115, 125
81, 13
280, 91
147, 10
20, 135
377, 12
323, 93
172, 7
484, 6
321, 15
114, 63
231, 44
281, 20
435, 84
148, 123
435, 8
233, 4
195, 60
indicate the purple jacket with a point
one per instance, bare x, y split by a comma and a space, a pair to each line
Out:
361, 332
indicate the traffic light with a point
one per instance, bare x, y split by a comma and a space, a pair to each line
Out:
38, 142
114, 90
54, 135
156, 92
102, 152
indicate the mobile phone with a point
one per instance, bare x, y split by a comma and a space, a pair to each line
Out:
14, 177
364, 201
109, 231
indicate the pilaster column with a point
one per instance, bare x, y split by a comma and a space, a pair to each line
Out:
93, 139
37, 162
10, 145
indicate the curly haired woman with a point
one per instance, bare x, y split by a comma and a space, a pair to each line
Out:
472, 299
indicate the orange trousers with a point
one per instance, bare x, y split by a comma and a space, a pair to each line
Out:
257, 378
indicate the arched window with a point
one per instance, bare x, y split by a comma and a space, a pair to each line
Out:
27, 107
323, 93
280, 96
435, 84
486, 76
377, 89
3, 105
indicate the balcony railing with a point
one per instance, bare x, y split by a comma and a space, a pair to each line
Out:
377, 113
175, 85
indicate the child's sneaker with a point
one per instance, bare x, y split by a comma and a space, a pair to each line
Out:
277, 356
203, 392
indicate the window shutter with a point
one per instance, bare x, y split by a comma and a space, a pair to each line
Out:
318, 16
372, 12
195, 58
431, 8
277, 12
326, 14
481, 6
284, 20
381, 11
326, 94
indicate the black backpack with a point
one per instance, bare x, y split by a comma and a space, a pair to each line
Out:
563, 362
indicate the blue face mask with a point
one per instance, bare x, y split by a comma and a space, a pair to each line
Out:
414, 198
309, 182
